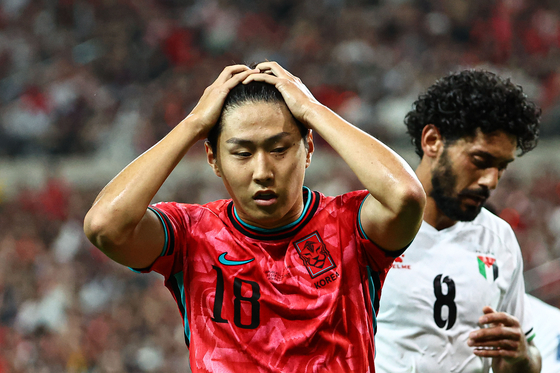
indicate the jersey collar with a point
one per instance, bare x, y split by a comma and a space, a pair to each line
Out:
310, 207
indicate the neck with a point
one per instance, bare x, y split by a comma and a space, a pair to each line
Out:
293, 216
432, 214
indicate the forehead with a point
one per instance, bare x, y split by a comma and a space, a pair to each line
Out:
498, 144
257, 119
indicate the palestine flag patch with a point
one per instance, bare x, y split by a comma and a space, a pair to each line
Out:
488, 268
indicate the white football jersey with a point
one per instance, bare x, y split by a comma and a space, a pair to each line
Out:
547, 333
434, 294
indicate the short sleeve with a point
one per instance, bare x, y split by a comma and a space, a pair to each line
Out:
174, 219
515, 302
378, 259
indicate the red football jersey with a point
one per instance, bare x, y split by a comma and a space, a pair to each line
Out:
300, 298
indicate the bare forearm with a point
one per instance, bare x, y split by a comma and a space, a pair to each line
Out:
119, 223
378, 168
124, 200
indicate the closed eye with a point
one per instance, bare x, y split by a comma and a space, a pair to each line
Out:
483, 163
279, 150
242, 154
480, 162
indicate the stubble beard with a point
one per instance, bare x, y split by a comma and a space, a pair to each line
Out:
444, 183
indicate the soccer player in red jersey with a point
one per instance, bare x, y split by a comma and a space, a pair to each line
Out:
278, 278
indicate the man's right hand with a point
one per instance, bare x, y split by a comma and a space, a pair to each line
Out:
119, 222
208, 109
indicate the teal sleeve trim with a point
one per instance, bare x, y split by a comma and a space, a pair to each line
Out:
372, 296
164, 229
392, 253
360, 219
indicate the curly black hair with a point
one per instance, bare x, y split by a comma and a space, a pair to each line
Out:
461, 102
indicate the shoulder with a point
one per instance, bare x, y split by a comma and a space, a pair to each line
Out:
192, 211
487, 233
217, 207
543, 309
351, 198
493, 235
492, 224
344, 204
492, 221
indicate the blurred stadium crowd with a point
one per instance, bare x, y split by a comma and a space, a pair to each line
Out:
83, 78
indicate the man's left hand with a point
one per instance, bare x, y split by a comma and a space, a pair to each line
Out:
501, 336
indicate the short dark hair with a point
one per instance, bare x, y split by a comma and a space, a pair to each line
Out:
462, 102
251, 92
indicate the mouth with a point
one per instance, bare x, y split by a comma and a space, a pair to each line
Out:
474, 199
265, 198
476, 196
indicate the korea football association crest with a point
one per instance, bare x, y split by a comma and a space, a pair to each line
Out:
314, 254
488, 267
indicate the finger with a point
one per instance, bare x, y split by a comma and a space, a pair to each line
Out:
496, 353
505, 344
488, 309
239, 78
495, 334
262, 77
498, 318
275, 68
267, 65
231, 71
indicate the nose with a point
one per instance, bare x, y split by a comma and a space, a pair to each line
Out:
490, 178
263, 170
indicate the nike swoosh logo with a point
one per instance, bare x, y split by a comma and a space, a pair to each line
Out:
225, 261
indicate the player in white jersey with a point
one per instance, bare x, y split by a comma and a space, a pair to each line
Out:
454, 302
547, 330
448, 276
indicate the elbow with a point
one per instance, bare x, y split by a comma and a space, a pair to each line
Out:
95, 228
416, 196
100, 229
413, 202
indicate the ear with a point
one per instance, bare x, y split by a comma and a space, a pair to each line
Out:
432, 142
211, 158
310, 147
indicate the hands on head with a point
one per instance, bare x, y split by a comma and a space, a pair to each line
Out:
208, 109
297, 96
